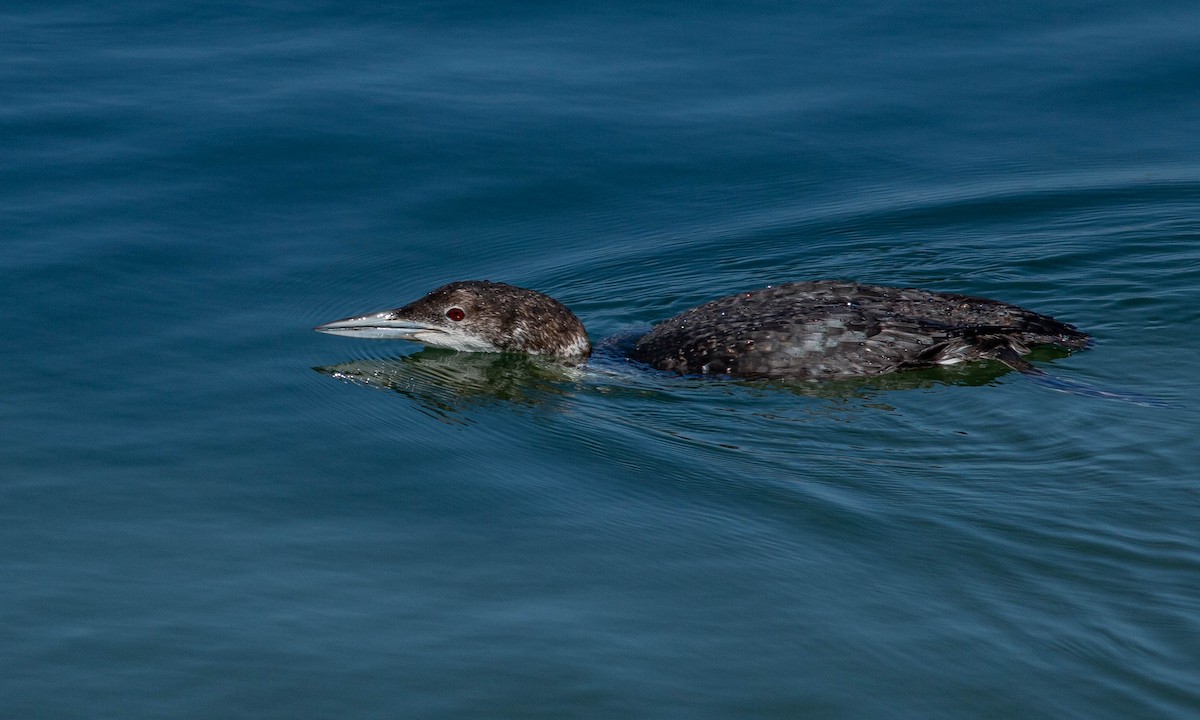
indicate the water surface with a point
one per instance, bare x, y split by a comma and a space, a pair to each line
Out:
196, 523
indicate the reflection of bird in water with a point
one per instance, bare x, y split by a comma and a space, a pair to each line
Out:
803, 330
445, 382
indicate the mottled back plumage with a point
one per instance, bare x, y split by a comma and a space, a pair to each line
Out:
829, 329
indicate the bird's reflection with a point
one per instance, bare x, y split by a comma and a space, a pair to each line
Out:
445, 382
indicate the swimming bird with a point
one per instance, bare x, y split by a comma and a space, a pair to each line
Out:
817, 330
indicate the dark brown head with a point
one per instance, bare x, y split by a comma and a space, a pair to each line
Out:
478, 316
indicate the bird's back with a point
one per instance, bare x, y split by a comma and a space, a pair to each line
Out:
831, 329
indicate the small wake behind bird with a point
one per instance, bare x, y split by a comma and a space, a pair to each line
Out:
1078, 387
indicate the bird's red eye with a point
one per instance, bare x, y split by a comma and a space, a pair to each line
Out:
455, 314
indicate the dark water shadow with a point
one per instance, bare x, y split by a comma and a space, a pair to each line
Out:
972, 374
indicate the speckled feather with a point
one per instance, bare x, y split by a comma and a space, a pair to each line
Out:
509, 318
829, 329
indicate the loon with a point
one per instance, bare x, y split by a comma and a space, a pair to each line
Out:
816, 330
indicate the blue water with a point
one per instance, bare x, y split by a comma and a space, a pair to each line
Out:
197, 524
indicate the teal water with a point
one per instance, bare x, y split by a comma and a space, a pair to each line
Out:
195, 523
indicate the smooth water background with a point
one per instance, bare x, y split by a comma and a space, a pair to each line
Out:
194, 523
